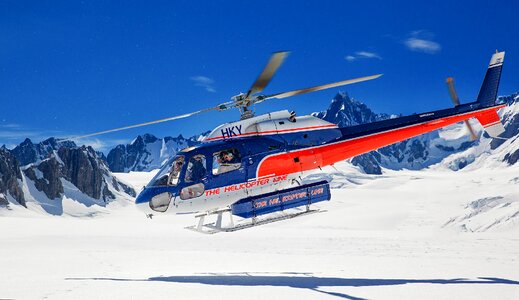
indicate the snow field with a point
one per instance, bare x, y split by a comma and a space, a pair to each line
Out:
380, 237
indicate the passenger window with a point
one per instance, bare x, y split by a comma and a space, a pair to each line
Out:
226, 160
169, 173
192, 191
196, 169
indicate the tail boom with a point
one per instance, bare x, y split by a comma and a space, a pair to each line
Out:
356, 140
306, 159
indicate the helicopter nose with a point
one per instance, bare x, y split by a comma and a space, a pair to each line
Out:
154, 200
143, 203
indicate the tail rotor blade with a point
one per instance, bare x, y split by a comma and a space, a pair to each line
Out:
456, 101
321, 87
473, 135
268, 72
452, 91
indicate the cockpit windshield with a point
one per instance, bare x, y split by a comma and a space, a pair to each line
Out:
169, 174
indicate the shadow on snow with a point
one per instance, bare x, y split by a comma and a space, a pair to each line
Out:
303, 281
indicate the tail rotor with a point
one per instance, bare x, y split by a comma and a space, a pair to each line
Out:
456, 101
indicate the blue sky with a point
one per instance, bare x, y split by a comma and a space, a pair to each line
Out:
70, 67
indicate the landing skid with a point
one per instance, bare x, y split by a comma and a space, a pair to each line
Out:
215, 227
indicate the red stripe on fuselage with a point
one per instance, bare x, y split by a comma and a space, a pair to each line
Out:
319, 156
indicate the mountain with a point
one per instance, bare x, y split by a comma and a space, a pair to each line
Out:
345, 111
146, 152
72, 175
10, 177
27, 152
428, 149
510, 117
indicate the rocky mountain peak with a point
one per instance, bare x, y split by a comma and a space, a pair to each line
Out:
346, 111
82, 167
28, 152
10, 178
146, 152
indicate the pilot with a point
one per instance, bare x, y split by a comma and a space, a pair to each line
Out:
197, 169
175, 170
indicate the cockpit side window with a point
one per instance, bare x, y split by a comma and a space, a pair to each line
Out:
169, 174
176, 167
226, 160
196, 169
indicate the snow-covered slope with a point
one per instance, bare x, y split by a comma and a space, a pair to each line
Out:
433, 234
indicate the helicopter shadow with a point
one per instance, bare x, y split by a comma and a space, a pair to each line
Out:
305, 281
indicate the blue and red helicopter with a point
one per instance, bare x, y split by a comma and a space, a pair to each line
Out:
254, 166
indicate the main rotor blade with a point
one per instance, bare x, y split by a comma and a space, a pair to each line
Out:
268, 72
321, 87
222, 106
456, 101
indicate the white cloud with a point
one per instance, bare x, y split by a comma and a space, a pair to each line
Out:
362, 54
367, 54
205, 82
350, 58
11, 125
421, 41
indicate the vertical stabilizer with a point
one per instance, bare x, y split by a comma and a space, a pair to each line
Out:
488, 92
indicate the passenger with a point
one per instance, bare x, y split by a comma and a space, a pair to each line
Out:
227, 162
229, 158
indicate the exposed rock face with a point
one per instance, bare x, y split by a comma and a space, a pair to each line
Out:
512, 158
27, 152
345, 111
10, 176
83, 168
46, 176
80, 166
3, 201
146, 152
408, 150
510, 121
369, 162
119, 159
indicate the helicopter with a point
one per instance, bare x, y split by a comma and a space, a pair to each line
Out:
254, 167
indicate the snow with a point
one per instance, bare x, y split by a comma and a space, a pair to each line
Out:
401, 235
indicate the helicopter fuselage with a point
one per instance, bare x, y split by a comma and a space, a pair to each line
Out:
276, 149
